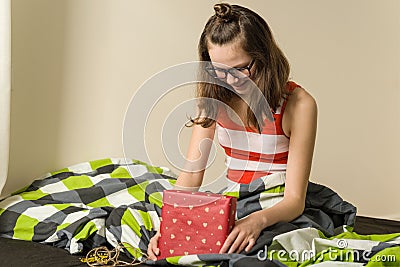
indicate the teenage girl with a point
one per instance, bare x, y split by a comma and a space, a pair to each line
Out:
241, 50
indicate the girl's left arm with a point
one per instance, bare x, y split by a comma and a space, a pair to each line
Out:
302, 119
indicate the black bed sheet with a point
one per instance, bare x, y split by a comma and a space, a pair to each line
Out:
367, 226
23, 253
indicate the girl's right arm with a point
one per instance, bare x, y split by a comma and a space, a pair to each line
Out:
192, 174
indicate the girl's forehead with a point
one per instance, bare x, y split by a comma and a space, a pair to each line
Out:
231, 54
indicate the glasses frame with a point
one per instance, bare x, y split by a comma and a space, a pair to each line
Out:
211, 70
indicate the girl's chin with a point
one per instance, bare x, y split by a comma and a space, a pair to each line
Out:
241, 90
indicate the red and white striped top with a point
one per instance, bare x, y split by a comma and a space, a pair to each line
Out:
250, 155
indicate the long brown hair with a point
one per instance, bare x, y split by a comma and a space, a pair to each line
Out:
234, 23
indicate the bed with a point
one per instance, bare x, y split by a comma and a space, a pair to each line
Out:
25, 253
96, 195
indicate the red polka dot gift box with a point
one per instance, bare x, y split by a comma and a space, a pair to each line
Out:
194, 222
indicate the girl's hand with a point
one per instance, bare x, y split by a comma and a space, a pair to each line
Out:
152, 249
243, 235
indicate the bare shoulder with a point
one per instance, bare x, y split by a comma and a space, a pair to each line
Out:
301, 101
301, 110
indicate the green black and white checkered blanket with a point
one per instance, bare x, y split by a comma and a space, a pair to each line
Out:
110, 201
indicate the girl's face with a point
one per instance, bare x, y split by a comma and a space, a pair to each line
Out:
229, 56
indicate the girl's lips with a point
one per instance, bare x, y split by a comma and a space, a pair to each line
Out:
240, 88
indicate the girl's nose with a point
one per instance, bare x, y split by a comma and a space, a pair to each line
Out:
230, 79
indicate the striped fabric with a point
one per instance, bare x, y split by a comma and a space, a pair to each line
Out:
66, 207
110, 201
250, 155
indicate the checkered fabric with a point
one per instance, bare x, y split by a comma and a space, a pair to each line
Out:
74, 207
110, 201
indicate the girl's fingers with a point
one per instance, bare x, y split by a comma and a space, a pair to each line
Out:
250, 245
229, 240
153, 250
238, 241
242, 246
151, 254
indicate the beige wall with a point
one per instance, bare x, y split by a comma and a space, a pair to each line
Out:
76, 64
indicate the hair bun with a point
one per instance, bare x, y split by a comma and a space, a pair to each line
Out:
223, 11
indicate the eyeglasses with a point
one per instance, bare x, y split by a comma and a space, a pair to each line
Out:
239, 73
